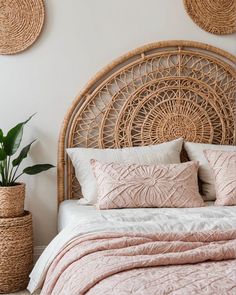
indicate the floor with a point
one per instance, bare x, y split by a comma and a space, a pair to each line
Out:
22, 293
19, 293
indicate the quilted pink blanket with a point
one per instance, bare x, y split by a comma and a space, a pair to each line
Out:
128, 263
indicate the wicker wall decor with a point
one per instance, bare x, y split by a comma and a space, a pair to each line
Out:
153, 94
21, 22
214, 16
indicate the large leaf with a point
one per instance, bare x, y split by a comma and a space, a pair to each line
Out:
3, 155
1, 136
13, 138
23, 154
37, 169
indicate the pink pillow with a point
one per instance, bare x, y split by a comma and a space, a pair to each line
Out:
132, 186
223, 165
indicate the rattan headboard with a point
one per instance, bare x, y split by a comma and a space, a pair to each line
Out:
153, 94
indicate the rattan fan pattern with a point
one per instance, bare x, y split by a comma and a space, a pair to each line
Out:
214, 16
153, 94
21, 22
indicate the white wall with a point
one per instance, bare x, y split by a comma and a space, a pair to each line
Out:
79, 37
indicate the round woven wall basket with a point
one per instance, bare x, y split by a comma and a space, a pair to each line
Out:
214, 16
21, 22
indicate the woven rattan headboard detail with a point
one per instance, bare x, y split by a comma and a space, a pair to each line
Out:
153, 94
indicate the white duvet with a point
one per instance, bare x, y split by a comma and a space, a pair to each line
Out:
138, 220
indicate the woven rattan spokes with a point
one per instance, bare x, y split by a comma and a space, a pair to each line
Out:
158, 98
154, 94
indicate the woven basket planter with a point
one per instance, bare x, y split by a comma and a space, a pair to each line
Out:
12, 200
16, 252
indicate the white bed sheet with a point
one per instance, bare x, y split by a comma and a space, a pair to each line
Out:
70, 212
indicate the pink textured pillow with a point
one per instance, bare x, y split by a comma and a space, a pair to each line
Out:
223, 165
132, 186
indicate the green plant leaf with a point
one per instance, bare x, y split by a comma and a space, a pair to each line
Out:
13, 138
1, 136
3, 155
37, 169
23, 154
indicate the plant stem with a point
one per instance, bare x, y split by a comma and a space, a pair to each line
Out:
5, 171
8, 168
10, 176
2, 174
14, 180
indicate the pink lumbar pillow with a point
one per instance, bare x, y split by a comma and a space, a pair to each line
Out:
132, 186
223, 165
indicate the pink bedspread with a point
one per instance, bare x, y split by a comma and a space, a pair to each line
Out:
127, 263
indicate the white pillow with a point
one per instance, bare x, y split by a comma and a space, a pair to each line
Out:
195, 153
164, 153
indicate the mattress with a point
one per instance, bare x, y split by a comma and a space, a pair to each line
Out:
168, 219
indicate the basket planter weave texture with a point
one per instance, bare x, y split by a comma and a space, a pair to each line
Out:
16, 252
12, 200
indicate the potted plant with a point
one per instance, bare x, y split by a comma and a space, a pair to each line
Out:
12, 192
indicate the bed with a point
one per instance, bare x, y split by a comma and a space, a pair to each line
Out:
151, 95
